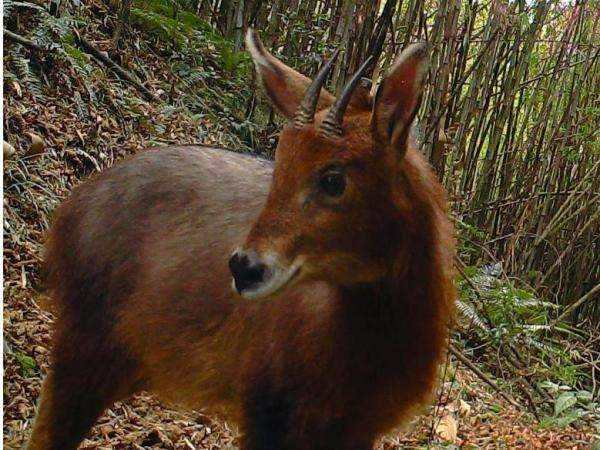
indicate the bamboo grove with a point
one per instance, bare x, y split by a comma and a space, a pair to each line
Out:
510, 120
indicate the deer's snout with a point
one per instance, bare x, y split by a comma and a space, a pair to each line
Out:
247, 270
257, 275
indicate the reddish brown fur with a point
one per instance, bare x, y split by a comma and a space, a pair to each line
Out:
137, 263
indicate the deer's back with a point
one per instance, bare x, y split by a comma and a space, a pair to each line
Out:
167, 214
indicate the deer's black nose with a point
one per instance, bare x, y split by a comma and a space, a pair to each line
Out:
247, 271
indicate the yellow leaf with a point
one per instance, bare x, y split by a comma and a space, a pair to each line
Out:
37, 145
464, 408
447, 428
17, 88
8, 151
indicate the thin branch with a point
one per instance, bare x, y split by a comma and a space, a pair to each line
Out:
90, 48
575, 305
24, 41
462, 358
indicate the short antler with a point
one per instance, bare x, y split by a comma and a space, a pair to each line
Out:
332, 123
308, 106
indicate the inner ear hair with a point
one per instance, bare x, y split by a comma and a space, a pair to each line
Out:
271, 74
400, 129
398, 97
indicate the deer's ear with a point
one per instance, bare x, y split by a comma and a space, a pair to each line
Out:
284, 86
399, 96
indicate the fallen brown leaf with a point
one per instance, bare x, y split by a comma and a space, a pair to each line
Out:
37, 145
447, 428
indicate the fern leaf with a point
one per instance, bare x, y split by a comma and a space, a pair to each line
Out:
471, 315
26, 76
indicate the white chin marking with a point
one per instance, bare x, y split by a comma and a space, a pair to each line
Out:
277, 281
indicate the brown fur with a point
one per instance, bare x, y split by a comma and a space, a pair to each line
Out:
137, 263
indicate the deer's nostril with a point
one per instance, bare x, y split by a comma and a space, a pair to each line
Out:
237, 262
246, 273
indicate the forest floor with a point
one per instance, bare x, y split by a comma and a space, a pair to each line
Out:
66, 116
467, 412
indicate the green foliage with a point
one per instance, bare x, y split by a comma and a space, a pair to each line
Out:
468, 235
473, 318
25, 74
77, 58
230, 59
164, 27
51, 29
55, 34
499, 312
200, 58
27, 364
10, 7
187, 31
569, 405
564, 401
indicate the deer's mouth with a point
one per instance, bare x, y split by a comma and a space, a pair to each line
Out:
276, 280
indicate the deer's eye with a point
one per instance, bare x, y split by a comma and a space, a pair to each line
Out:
333, 183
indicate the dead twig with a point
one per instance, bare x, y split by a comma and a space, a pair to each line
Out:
122, 73
90, 48
24, 41
575, 305
462, 358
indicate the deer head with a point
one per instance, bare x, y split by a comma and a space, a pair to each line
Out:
336, 203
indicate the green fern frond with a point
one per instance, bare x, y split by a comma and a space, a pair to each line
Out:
162, 26
190, 81
471, 315
51, 30
9, 76
534, 328
542, 346
7, 8
82, 108
80, 61
26, 76
10, 6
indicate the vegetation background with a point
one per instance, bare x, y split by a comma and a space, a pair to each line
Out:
510, 122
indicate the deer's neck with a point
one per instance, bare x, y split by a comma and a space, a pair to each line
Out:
388, 307
406, 312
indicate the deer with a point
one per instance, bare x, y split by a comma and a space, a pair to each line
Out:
306, 300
